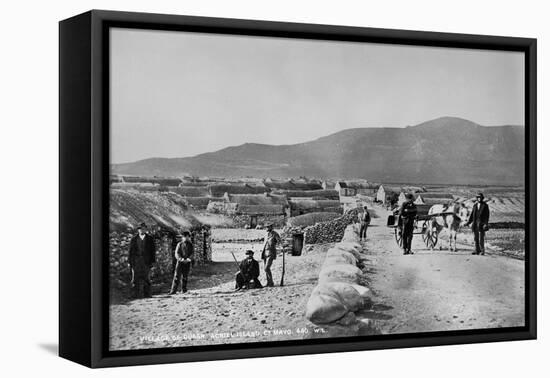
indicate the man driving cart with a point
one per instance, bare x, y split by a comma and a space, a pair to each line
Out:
407, 216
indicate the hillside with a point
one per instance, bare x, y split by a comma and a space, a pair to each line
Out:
445, 150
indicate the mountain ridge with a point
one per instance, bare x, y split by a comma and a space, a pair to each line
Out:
444, 150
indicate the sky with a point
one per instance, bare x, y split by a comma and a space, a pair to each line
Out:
179, 94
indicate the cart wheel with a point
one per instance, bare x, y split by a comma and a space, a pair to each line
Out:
398, 237
431, 240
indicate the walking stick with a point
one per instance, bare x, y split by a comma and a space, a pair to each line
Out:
283, 273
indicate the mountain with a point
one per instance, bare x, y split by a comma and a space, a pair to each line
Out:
446, 150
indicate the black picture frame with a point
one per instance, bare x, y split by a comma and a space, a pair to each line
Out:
84, 167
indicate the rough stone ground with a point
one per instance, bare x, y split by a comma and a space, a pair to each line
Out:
211, 313
441, 290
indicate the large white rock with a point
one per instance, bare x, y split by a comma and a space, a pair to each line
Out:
332, 301
324, 308
338, 254
340, 273
352, 248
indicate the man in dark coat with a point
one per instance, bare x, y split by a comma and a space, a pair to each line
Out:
364, 219
407, 215
183, 253
269, 253
141, 258
479, 219
249, 271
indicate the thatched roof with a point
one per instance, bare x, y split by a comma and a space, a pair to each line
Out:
293, 185
230, 208
191, 191
326, 194
198, 202
257, 199
129, 208
358, 185
391, 188
164, 181
218, 190
260, 209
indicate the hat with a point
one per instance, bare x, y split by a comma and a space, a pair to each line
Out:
480, 195
185, 233
142, 225
249, 253
269, 225
409, 196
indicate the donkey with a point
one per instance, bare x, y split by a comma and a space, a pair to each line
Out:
453, 216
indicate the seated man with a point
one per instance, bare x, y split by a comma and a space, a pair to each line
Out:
249, 271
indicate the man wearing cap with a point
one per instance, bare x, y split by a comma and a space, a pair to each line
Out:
249, 270
141, 258
407, 215
269, 252
364, 219
183, 254
479, 219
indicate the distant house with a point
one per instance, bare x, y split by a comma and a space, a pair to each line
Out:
353, 188
388, 194
191, 191
252, 210
219, 189
313, 194
327, 184
342, 188
198, 203
300, 184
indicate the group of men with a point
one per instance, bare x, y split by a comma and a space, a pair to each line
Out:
142, 256
249, 269
478, 219
142, 249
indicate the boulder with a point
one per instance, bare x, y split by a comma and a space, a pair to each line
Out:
332, 301
338, 254
340, 273
349, 248
324, 308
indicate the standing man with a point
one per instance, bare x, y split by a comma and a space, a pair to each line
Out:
183, 253
479, 219
364, 219
141, 257
249, 270
269, 252
407, 215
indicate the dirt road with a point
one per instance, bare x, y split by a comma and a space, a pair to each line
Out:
440, 290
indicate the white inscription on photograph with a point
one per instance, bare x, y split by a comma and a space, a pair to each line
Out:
269, 189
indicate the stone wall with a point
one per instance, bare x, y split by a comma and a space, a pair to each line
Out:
324, 232
165, 243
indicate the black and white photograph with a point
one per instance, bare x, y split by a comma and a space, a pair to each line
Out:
267, 189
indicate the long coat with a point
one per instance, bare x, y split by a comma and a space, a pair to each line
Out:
250, 269
148, 253
479, 218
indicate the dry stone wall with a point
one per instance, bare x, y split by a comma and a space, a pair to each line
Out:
323, 232
165, 243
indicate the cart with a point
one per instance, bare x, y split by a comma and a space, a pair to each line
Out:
422, 226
